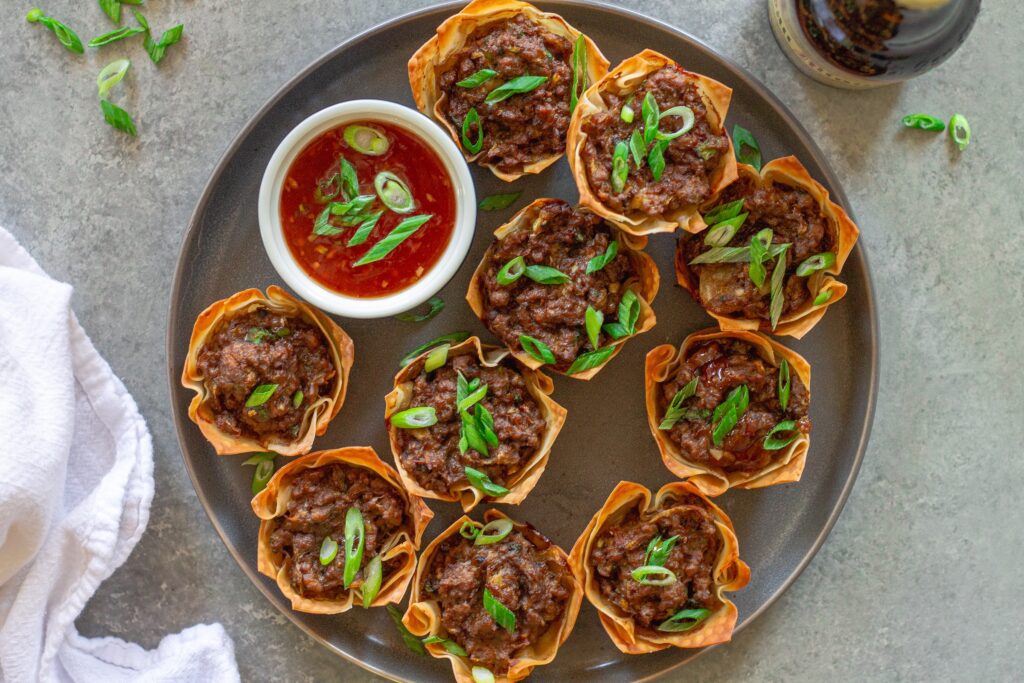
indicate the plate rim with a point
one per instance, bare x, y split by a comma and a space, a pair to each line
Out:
836, 189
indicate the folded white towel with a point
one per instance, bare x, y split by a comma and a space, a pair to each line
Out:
75, 489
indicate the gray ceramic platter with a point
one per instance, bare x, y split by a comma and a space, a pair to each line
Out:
606, 437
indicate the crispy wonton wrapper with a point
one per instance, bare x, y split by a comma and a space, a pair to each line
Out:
272, 502
646, 286
625, 79
789, 171
731, 573
540, 387
318, 415
787, 465
423, 617
432, 59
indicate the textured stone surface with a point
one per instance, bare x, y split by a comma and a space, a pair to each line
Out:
919, 580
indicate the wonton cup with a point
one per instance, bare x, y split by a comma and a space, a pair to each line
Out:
787, 466
426, 66
318, 415
789, 171
272, 502
625, 79
646, 286
423, 617
540, 387
731, 573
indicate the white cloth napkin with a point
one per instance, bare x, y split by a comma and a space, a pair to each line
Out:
76, 483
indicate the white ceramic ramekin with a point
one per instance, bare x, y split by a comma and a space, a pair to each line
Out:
270, 214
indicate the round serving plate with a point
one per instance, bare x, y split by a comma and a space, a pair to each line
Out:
605, 438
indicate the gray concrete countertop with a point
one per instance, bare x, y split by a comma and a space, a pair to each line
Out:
920, 580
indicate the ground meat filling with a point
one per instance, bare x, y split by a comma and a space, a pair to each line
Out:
690, 160
794, 216
525, 127
320, 498
432, 455
621, 548
721, 366
262, 347
522, 571
556, 314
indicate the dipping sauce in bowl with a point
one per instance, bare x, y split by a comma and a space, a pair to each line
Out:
355, 190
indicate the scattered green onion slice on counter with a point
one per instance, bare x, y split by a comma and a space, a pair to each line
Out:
659, 549
651, 575
111, 75
415, 418
545, 275
511, 271
649, 111
328, 551
686, 114
450, 645
812, 264
626, 113
297, 398
594, 319
157, 48
115, 35
656, 159
537, 349
777, 297
823, 297
411, 641
684, 620
924, 122
723, 212
471, 399
960, 131
517, 86
590, 360
482, 482
436, 304
365, 229
579, 71
620, 167
759, 246
784, 384
721, 233
366, 140
674, 412
496, 202
502, 615
436, 358
393, 192
747, 149
355, 541
117, 117
398, 235
482, 675
471, 119
65, 35
260, 395
493, 531
637, 147
372, 579
450, 338
477, 79
773, 443
469, 530
601, 260
138, 15
112, 8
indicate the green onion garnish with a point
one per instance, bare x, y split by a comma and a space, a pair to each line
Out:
924, 122
366, 140
686, 114
579, 71
436, 358
774, 444
746, 147
675, 411
517, 86
784, 384
601, 260
546, 275
415, 418
111, 75
537, 349
472, 398
372, 579
355, 540
472, 119
297, 398
450, 645
260, 395
328, 551
471, 435
112, 8
365, 228
65, 35
496, 202
393, 192
494, 531
349, 178
589, 360
482, 675
502, 615
960, 131
734, 254
594, 319
627, 114
485, 423
157, 48
649, 111
282, 332
652, 575
436, 304
637, 147
722, 232
813, 264
620, 167
451, 338
115, 35
684, 620
658, 550
778, 279
629, 312
759, 246
264, 470
477, 79
511, 271
411, 641
823, 297
469, 530
723, 212
656, 159
401, 232
728, 413
117, 117
482, 482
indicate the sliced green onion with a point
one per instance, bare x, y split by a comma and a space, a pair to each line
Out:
355, 540
652, 575
65, 35
450, 645
659, 549
485, 423
260, 395
774, 444
629, 311
627, 114
411, 641
502, 615
728, 413
297, 398
436, 358
784, 384
924, 122
328, 551
372, 579
590, 360
415, 418
674, 412
579, 71
472, 119
256, 335
282, 332
115, 35
637, 147
112, 8
156, 48
262, 474
600, 261
111, 75
537, 349
482, 482
517, 86
117, 117
482, 675
399, 234
649, 111
723, 212
620, 167
349, 178
759, 246
823, 297
722, 232
469, 530
777, 298
594, 319
511, 271
436, 304
367, 140
472, 399
365, 228
494, 531
477, 79
723, 255
546, 275
451, 338
496, 202
393, 192
960, 131
684, 620
656, 159
746, 148
686, 114
258, 458
813, 264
